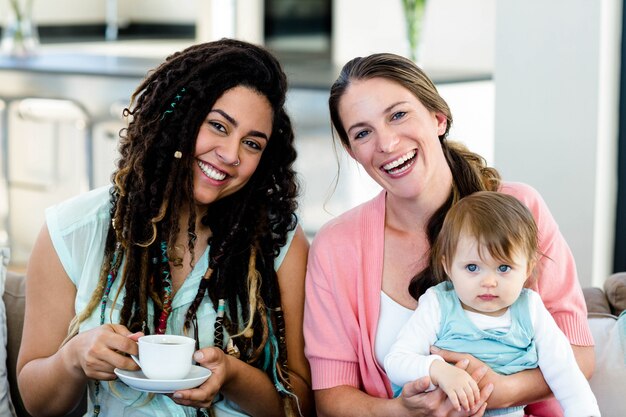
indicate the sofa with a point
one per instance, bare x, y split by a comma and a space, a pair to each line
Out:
604, 306
607, 319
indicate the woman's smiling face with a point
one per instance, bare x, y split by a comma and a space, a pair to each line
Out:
230, 143
393, 136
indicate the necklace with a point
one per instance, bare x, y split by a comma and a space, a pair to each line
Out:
105, 298
167, 290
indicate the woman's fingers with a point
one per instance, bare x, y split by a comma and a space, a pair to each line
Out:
208, 356
105, 348
202, 397
481, 411
482, 401
416, 387
135, 336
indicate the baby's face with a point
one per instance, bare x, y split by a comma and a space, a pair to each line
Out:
484, 284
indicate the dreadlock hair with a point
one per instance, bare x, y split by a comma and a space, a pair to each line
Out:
249, 227
470, 172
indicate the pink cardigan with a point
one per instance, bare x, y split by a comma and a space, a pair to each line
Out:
343, 286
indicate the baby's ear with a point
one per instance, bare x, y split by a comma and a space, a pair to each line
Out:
444, 265
530, 273
532, 263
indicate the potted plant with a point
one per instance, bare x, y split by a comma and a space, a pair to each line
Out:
19, 35
414, 17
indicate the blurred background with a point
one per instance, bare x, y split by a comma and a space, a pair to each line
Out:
534, 87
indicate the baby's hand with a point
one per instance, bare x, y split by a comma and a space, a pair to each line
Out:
458, 385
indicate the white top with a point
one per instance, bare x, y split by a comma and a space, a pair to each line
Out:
392, 317
409, 357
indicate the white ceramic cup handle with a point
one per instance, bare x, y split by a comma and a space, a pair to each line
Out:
136, 359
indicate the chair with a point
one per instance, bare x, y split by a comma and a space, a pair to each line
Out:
49, 160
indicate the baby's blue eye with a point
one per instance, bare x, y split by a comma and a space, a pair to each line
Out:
504, 268
472, 267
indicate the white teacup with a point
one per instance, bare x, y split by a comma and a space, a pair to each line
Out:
165, 356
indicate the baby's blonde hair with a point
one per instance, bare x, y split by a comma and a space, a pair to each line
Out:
499, 222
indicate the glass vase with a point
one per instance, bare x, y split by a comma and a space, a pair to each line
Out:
19, 34
414, 19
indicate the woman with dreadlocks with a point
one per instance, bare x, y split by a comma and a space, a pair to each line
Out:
196, 236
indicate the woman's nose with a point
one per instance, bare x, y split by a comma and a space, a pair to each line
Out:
387, 142
228, 153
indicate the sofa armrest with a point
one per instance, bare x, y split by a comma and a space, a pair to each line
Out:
615, 290
609, 377
596, 301
14, 302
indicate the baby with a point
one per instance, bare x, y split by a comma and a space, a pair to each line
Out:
487, 248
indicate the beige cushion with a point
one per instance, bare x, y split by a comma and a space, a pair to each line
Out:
609, 376
596, 301
14, 300
6, 407
615, 289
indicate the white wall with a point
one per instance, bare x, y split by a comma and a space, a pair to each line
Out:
556, 76
362, 27
146, 11
473, 106
216, 19
457, 34
211, 16
55, 12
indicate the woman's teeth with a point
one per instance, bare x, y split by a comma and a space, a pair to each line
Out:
390, 167
211, 172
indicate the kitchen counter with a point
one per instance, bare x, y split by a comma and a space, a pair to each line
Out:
72, 63
133, 59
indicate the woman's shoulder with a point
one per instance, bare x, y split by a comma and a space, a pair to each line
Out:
520, 190
81, 209
83, 218
524, 193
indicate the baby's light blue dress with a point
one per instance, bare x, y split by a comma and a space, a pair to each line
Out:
506, 352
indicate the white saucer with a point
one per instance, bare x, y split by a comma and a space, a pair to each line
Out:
138, 381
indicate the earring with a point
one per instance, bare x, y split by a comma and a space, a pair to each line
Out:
178, 154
